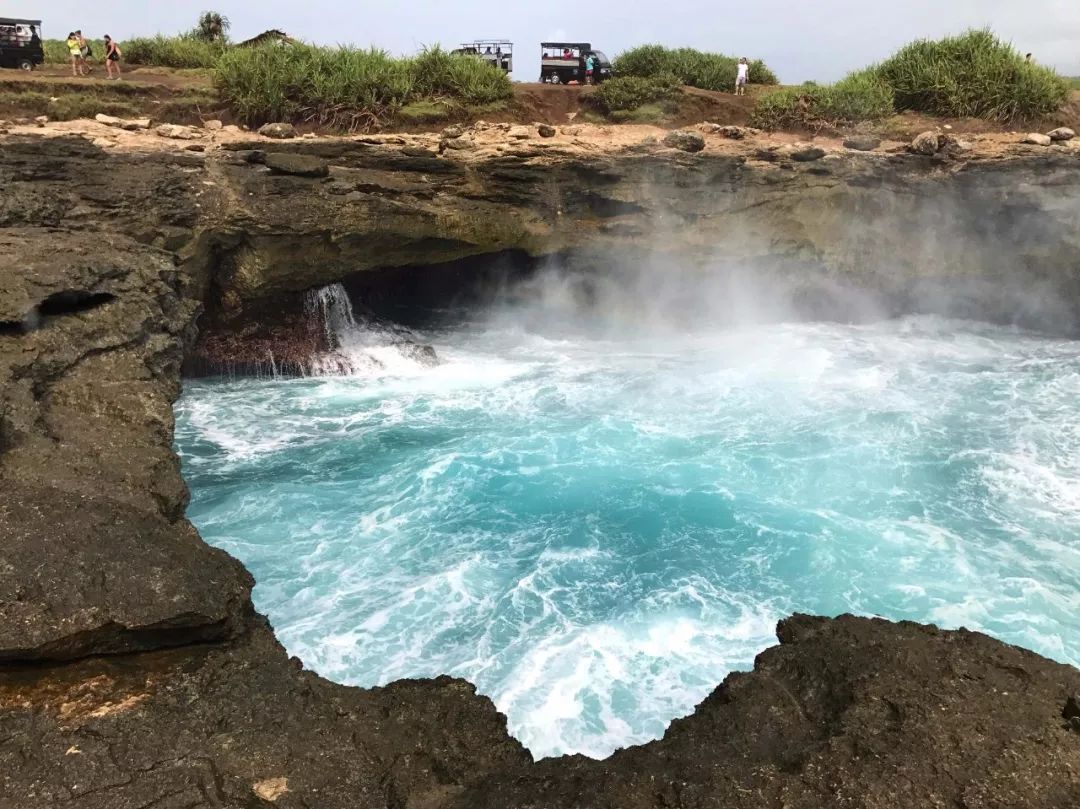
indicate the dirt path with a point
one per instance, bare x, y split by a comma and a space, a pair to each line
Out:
560, 104
141, 76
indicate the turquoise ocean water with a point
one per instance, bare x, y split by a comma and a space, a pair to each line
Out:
596, 528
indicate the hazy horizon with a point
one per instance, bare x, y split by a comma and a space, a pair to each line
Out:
820, 41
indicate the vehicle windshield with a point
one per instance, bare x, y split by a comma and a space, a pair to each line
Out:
599, 57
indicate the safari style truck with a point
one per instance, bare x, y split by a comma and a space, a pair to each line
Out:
564, 63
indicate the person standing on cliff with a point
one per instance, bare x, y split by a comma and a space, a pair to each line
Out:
77, 62
112, 57
742, 77
84, 51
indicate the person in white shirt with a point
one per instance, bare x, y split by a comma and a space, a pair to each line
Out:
742, 78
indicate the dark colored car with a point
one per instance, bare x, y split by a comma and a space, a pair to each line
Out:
20, 43
564, 62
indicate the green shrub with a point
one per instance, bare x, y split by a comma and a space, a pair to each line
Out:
348, 87
624, 93
709, 71
655, 114
473, 81
974, 75
861, 96
182, 51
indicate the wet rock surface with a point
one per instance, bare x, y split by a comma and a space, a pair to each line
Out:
845, 712
133, 669
230, 725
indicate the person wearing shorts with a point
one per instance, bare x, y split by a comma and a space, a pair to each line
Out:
85, 52
742, 77
112, 57
78, 64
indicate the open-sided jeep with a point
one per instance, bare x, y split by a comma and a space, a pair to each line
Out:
20, 43
564, 63
497, 52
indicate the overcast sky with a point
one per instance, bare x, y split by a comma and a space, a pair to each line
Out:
818, 40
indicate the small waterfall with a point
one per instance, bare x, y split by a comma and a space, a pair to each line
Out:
360, 347
331, 306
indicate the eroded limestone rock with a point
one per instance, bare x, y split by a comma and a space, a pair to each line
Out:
927, 143
178, 132
278, 131
684, 140
807, 154
862, 143
212, 711
296, 164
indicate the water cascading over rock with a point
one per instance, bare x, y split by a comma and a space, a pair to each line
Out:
357, 347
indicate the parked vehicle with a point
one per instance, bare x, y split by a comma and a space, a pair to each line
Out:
564, 62
498, 52
20, 43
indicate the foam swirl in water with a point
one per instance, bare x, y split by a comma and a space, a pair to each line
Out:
596, 531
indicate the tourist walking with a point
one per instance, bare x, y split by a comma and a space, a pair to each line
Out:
85, 52
78, 64
742, 77
112, 57
590, 63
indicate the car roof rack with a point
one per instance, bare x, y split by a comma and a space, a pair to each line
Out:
13, 21
585, 45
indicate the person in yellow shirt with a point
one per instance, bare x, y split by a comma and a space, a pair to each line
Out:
78, 62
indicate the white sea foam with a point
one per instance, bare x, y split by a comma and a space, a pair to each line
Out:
597, 528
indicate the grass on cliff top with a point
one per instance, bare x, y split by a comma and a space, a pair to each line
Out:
178, 52
350, 88
159, 51
860, 96
708, 71
974, 75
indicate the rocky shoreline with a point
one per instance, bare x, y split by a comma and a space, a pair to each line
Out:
134, 671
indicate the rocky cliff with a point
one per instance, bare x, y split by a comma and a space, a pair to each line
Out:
133, 669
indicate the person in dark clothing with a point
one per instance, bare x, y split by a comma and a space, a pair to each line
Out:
112, 57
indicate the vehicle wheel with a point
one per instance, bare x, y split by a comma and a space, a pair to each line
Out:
554, 78
26, 64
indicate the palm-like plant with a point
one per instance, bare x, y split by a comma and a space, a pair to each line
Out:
212, 27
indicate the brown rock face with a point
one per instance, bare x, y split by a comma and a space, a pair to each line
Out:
133, 669
848, 711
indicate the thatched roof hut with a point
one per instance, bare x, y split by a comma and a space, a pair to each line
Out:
271, 37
